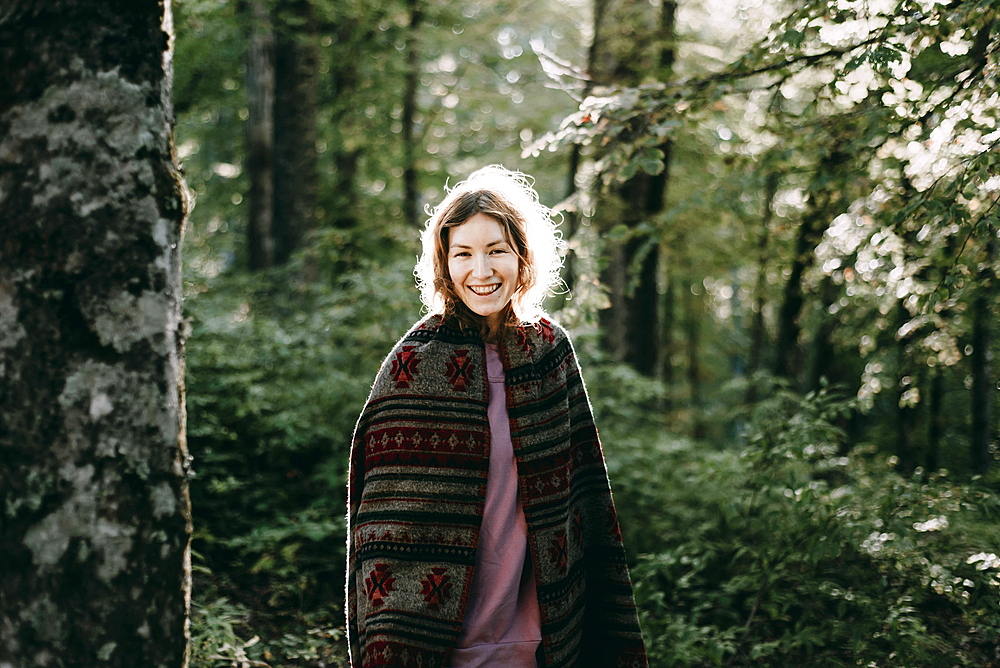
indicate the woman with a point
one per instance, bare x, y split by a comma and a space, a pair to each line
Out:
481, 530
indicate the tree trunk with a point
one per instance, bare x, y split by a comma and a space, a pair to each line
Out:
934, 426
94, 536
905, 380
343, 78
820, 212
571, 217
669, 317
786, 358
692, 330
621, 55
260, 137
759, 332
411, 194
295, 96
982, 362
823, 353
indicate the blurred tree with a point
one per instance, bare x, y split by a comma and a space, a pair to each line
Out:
260, 85
627, 45
96, 517
826, 201
983, 376
411, 212
887, 116
296, 70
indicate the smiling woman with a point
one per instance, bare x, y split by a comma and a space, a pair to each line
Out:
481, 530
484, 268
507, 199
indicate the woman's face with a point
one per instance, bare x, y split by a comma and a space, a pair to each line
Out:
482, 266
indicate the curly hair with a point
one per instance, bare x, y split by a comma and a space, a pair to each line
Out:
528, 226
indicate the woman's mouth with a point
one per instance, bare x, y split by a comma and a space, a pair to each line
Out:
484, 290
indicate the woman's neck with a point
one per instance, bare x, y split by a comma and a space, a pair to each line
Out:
490, 328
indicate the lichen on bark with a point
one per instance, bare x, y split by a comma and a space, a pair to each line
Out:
96, 517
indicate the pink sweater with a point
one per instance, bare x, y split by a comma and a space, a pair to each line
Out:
502, 627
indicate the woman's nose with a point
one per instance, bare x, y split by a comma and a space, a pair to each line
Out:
481, 267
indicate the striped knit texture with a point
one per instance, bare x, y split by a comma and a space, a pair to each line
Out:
416, 491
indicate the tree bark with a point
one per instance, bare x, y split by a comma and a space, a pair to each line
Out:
94, 535
295, 158
411, 195
260, 137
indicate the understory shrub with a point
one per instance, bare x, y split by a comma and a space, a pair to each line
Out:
793, 553
277, 372
786, 550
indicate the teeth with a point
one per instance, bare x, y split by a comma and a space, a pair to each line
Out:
485, 290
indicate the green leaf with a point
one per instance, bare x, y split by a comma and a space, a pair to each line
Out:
617, 233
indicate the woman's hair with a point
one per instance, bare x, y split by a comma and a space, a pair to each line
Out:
507, 197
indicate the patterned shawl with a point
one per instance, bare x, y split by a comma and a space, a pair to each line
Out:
416, 490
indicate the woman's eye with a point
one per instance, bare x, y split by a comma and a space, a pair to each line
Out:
499, 250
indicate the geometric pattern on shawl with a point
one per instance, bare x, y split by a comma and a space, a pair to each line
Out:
416, 492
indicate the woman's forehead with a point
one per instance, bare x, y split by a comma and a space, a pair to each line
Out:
479, 230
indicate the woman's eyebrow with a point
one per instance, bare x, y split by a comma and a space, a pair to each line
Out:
492, 243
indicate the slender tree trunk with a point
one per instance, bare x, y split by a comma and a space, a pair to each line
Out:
571, 218
787, 356
260, 137
344, 79
758, 331
295, 158
95, 528
692, 330
905, 381
823, 353
667, 325
934, 419
982, 362
624, 32
641, 304
411, 194
346, 216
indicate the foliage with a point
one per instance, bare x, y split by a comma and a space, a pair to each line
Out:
792, 552
278, 370
218, 627
879, 121
778, 540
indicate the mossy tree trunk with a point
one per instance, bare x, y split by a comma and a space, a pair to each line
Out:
94, 510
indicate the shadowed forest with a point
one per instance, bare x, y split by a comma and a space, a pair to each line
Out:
782, 227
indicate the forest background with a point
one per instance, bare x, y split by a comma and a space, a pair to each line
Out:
782, 229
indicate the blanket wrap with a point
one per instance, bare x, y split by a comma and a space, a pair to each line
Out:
416, 490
